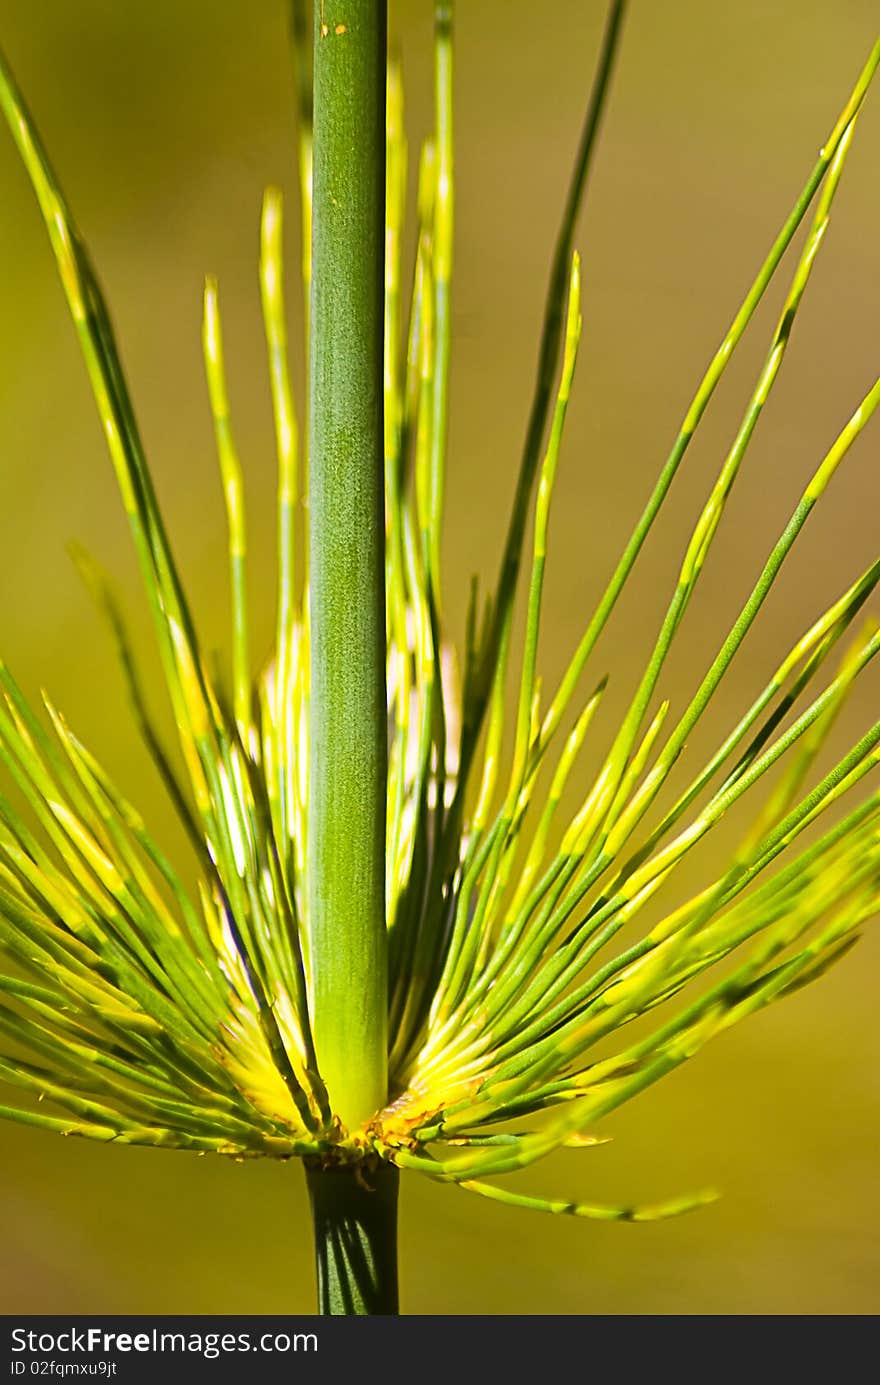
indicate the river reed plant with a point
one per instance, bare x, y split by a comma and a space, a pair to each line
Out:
404, 954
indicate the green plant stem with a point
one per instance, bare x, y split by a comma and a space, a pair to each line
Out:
347, 764
355, 1218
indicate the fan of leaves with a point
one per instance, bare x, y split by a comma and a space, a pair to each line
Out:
132, 1012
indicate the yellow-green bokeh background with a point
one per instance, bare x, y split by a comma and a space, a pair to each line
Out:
165, 122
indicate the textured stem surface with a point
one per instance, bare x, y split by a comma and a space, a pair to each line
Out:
347, 765
354, 1212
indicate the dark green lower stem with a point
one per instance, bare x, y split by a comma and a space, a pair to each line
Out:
354, 1213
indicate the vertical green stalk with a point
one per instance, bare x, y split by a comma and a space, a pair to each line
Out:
355, 1218
347, 763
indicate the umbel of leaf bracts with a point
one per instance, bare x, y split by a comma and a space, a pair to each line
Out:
520, 954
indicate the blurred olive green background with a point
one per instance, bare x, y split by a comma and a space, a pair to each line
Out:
165, 122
